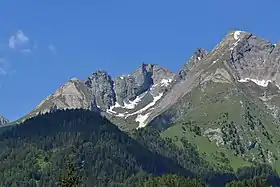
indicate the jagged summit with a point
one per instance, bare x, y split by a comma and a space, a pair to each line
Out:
150, 90
197, 56
3, 120
124, 97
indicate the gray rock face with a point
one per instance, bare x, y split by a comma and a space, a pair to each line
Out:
101, 86
73, 94
255, 58
3, 120
198, 55
129, 96
129, 87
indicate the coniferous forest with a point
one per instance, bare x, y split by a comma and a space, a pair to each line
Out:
82, 148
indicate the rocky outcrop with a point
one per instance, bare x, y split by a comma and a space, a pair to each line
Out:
73, 94
198, 55
100, 85
145, 77
3, 120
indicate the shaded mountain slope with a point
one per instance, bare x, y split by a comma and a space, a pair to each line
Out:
35, 152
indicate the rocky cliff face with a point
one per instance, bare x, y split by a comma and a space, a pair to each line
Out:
3, 120
130, 96
101, 89
198, 55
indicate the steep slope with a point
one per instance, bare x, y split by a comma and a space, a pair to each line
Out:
35, 153
227, 104
124, 99
3, 120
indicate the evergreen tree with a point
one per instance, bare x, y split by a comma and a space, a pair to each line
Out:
70, 176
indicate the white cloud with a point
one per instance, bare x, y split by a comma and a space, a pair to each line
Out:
18, 40
52, 48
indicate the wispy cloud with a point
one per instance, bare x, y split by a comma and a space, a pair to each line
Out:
52, 48
20, 42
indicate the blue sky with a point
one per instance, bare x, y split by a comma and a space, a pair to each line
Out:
45, 43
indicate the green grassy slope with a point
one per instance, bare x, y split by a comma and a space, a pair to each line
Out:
228, 127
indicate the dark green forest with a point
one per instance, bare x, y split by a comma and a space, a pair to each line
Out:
82, 148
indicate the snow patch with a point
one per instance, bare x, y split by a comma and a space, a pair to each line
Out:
130, 105
236, 37
236, 34
121, 115
156, 98
134, 103
263, 83
141, 119
165, 82
153, 86
214, 62
111, 109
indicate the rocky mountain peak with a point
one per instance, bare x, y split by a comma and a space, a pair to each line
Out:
249, 57
3, 120
129, 87
101, 84
197, 56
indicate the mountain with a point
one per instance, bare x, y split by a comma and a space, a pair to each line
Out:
229, 103
225, 102
3, 120
37, 153
125, 98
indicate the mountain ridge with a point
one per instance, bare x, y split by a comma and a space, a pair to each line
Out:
100, 92
119, 97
